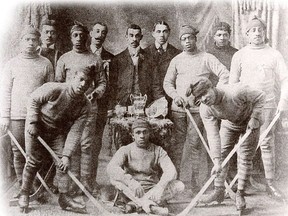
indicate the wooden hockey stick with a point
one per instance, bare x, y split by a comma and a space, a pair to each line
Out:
100, 208
141, 202
261, 139
43, 183
229, 190
194, 201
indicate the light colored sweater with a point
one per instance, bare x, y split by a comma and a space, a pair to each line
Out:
262, 68
68, 61
234, 102
143, 165
186, 67
20, 77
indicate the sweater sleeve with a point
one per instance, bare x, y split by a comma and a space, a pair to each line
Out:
75, 132
212, 128
6, 91
169, 83
50, 77
39, 97
235, 70
256, 97
60, 73
169, 172
115, 169
218, 68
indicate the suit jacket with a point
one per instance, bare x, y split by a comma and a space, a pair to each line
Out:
52, 54
161, 62
124, 68
111, 77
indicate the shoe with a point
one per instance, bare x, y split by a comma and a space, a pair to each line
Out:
240, 200
67, 202
217, 195
23, 203
129, 208
54, 189
16, 195
275, 193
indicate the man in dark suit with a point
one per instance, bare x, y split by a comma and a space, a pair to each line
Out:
48, 46
161, 52
98, 35
134, 70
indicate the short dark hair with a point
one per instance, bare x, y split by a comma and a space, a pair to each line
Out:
133, 26
161, 23
102, 24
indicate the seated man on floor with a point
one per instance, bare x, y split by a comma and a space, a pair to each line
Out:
144, 168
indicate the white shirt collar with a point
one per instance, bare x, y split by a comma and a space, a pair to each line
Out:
52, 46
134, 51
164, 46
95, 50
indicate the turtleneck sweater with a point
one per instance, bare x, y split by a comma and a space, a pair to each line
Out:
223, 54
19, 78
264, 68
185, 68
79, 57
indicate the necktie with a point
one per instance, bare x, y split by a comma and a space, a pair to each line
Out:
160, 50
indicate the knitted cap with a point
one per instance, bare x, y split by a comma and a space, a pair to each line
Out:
222, 26
140, 123
187, 29
87, 70
199, 87
30, 29
256, 22
79, 27
48, 22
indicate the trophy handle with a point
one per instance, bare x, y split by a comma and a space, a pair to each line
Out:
131, 98
145, 98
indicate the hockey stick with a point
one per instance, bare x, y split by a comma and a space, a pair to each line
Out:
43, 183
141, 202
229, 190
194, 201
261, 139
97, 204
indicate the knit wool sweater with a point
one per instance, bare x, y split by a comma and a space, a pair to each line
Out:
186, 67
132, 163
223, 54
66, 63
263, 68
21, 76
234, 102
54, 106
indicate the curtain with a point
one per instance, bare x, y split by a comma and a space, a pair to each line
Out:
31, 13
243, 10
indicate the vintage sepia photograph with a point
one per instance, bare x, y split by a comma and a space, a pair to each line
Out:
168, 108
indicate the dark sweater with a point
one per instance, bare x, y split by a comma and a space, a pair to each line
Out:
54, 106
223, 54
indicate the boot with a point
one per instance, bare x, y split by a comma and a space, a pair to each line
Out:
23, 203
65, 201
274, 192
217, 195
239, 200
194, 185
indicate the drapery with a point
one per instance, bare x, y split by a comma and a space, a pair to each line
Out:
25, 14
244, 10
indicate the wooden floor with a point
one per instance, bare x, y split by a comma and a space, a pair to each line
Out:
258, 204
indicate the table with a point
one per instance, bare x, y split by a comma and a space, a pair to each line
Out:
160, 134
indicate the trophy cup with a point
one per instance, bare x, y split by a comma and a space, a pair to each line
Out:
138, 102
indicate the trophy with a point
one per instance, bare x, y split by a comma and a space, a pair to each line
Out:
138, 102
